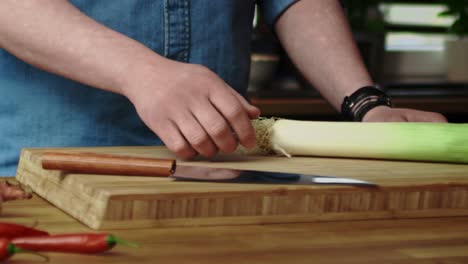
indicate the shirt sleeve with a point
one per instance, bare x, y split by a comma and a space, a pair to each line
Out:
273, 9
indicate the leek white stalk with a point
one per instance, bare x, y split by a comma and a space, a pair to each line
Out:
397, 141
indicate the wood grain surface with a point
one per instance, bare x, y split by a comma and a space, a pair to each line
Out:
407, 190
402, 241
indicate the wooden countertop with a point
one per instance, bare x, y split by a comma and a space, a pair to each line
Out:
431, 240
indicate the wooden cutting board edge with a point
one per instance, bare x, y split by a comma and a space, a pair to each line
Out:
50, 190
29, 162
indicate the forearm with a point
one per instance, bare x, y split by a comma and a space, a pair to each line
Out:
55, 36
317, 37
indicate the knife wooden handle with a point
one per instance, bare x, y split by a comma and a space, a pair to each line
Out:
93, 163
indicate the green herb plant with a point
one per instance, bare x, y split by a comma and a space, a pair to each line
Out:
457, 9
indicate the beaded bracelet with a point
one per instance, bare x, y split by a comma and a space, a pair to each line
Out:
356, 106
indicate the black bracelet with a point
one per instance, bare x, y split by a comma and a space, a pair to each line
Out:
356, 106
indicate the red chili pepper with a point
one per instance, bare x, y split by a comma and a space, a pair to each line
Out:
10, 231
7, 250
86, 243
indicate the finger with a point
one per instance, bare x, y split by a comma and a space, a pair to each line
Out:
195, 134
216, 126
175, 141
422, 116
439, 118
391, 117
237, 117
431, 117
398, 118
252, 110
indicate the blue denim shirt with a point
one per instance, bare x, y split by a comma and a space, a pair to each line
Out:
39, 109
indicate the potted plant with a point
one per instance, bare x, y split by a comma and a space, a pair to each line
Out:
456, 49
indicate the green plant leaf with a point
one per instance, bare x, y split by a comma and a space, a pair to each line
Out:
447, 13
459, 28
459, 10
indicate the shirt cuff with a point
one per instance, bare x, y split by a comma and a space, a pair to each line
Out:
273, 9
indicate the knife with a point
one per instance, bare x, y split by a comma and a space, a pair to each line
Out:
106, 164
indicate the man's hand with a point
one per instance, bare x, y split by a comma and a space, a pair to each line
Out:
188, 106
192, 110
387, 114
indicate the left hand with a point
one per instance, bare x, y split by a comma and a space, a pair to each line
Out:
387, 114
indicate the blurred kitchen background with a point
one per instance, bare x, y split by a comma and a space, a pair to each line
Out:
417, 50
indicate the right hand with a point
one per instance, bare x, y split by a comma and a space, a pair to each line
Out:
192, 110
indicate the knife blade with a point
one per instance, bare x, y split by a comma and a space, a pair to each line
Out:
268, 177
106, 164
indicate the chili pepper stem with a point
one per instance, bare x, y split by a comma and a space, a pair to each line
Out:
12, 249
112, 240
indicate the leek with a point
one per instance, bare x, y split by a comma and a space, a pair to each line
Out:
436, 142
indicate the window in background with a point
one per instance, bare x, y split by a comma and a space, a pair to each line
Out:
415, 16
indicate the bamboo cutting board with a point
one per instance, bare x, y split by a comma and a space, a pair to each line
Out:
407, 190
